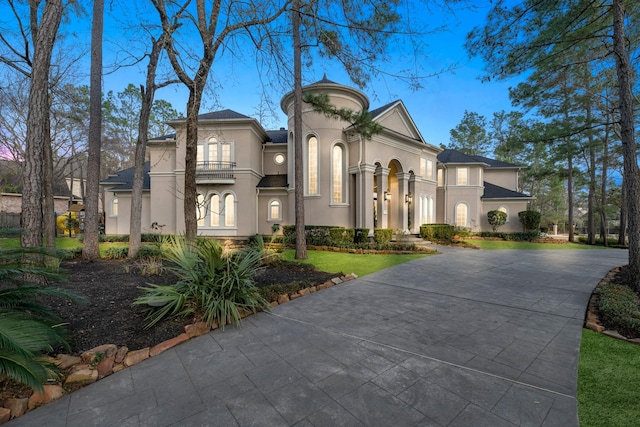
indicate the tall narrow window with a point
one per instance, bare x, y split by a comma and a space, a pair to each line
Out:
463, 176
114, 206
338, 174
200, 209
423, 167
462, 214
312, 165
229, 211
214, 211
429, 169
440, 177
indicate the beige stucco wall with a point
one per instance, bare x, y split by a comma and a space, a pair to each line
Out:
513, 207
12, 203
507, 178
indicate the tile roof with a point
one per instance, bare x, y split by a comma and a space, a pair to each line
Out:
375, 113
277, 136
492, 191
124, 179
273, 181
455, 156
222, 115
495, 163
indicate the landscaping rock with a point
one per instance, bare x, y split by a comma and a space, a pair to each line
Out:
121, 354
303, 292
5, 415
105, 366
294, 296
64, 361
118, 367
136, 356
594, 326
283, 298
166, 345
50, 393
102, 351
614, 334
274, 304
336, 280
197, 329
17, 406
83, 375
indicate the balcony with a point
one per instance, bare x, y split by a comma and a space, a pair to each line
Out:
215, 172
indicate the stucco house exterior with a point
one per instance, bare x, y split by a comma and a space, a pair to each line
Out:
245, 174
469, 187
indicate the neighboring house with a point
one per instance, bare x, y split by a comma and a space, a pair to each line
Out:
244, 173
469, 187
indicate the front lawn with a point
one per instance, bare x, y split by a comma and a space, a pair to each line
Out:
360, 264
608, 379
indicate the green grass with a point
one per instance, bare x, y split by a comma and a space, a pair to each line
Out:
360, 264
61, 243
608, 381
503, 244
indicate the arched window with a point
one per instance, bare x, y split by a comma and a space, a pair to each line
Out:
462, 214
338, 173
275, 209
312, 165
200, 209
114, 206
214, 210
229, 210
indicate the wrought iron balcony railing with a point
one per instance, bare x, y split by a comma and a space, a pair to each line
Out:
215, 170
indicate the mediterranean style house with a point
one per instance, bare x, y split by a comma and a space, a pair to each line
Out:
245, 175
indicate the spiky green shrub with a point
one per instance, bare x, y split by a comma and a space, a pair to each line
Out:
28, 328
116, 252
213, 283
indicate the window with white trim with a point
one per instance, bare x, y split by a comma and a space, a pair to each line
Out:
214, 153
423, 167
114, 206
200, 210
312, 165
229, 210
219, 211
462, 214
214, 210
275, 209
462, 176
440, 177
338, 173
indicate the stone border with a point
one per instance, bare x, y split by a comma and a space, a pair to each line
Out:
592, 320
104, 360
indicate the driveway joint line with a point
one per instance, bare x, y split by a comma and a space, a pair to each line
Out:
489, 374
527, 310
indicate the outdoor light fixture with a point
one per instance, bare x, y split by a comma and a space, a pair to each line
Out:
408, 198
387, 196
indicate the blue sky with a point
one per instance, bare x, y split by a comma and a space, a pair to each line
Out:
436, 108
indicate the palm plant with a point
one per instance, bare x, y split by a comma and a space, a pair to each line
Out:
213, 283
28, 328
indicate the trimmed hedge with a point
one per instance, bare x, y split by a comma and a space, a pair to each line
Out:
618, 306
361, 235
123, 238
382, 236
530, 220
516, 237
437, 231
340, 237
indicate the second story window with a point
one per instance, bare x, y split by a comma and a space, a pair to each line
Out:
462, 176
312, 165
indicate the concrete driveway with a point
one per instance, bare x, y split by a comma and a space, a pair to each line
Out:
466, 338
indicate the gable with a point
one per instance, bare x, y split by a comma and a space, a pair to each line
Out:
395, 117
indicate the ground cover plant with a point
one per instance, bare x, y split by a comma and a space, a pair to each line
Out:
608, 378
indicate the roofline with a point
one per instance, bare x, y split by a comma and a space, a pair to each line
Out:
321, 85
413, 123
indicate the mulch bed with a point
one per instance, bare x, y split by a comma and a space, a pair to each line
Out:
111, 286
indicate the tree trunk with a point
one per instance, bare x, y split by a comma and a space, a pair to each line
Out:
135, 226
604, 232
631, 175
570, 193
301, 240
622, 231
48, 206
37, 128
91, 250
591, 218
191, 147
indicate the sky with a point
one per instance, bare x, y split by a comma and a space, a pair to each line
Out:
436, 108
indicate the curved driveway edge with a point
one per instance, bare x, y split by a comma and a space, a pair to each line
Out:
466, 338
